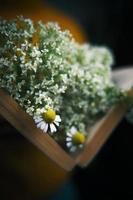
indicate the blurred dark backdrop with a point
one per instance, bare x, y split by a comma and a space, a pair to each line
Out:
109, 23
106, 23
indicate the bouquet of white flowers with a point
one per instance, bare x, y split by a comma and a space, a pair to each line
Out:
64, 86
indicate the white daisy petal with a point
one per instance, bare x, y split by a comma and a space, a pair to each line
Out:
68, 139
57, 123
43, 125
45, 128
73, 130
69, 134
52, 128
69, 144
38, 119
39, 125
57, 118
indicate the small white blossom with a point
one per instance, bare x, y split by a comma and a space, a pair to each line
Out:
75, 139
48, 121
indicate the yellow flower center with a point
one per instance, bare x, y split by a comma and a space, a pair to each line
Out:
49, 115
78, 138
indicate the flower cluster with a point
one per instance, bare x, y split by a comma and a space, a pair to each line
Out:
64, 86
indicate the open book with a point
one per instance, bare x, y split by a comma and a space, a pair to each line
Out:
13, 113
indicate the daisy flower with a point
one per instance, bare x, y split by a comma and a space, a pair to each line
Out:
48, 120
75, 139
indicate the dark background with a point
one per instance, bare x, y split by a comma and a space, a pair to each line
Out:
106, 23
110, 175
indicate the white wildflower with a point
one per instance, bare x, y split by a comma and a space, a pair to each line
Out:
48, 121
75, 139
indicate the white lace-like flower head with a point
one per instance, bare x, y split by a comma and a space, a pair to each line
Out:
48, 120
